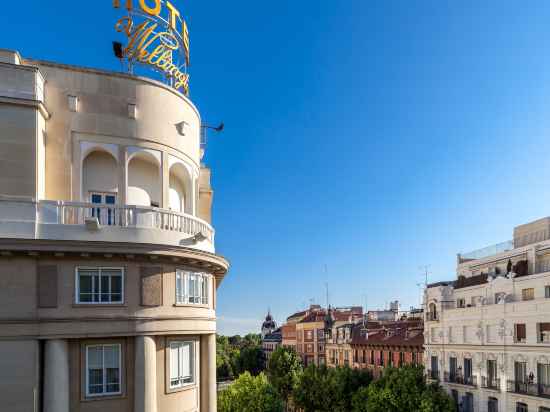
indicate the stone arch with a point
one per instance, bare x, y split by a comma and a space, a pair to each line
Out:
99, 172
180, 187
144, 177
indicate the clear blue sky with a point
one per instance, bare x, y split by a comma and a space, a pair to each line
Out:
372, 137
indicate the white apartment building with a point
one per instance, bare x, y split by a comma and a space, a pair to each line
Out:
487, 334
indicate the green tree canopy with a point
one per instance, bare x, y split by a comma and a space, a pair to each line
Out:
250, 394
283, 370
405, 390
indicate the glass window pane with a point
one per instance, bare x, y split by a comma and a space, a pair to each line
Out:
95, 357
110, 199
105, 296
96, 198
111, 356
174, 361
116, 288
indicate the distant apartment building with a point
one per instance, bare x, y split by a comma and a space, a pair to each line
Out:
108, 269
374, 345
310, 330
488, 332
288, 330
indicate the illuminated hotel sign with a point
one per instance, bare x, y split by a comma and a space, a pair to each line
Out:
157, 37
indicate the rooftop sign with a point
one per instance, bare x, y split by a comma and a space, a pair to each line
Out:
158, 37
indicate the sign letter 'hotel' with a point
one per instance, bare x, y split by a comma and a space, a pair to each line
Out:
108, 271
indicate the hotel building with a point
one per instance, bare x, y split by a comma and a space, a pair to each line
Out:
487, 333
108, 271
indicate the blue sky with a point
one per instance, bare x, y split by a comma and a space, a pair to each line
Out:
372, 137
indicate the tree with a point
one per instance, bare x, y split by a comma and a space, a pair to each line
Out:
359, 400
404, 390
435, 399
348, 382
283, 370
250, 394
250, 360
316, 390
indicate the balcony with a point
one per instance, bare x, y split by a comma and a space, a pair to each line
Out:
432, 317
490, 383
59, 220
461, 380
432, 374
532, 389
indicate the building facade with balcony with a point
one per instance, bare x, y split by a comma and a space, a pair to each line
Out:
487, 333
108, 268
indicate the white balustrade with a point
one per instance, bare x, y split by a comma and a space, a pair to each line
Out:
76, 213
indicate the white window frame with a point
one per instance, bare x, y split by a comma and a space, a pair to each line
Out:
99, 270
192, 366
202, 288
104, 394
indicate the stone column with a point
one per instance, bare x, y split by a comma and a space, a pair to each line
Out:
56, 376
208, 384
145, 376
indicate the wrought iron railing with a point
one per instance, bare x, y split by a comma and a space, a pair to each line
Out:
529, 388
460, 379
490, 382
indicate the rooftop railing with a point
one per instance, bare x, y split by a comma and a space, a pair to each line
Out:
488, 251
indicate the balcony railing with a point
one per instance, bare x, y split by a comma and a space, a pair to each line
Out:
432, 374
432, 316
462, 380
490, 383
526, 388
15, 212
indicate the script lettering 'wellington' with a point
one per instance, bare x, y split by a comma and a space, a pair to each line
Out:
160, 42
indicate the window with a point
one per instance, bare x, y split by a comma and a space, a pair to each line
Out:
492, 373
528, 294
521, 407
181, 364
461, 303
320, 334
543, 378
401, 359
543, 332
520, 332
381, 358
192, 288
390, 358
99, 285
467, 371
492, 405
435, 367
372, 357
520, 373
103, 365
309, 348
104, 213
308, 335
547, 292
452, 369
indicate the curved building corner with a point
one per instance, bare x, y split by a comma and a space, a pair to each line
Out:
108, 266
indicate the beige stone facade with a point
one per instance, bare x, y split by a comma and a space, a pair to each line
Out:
108, 267
487, 333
